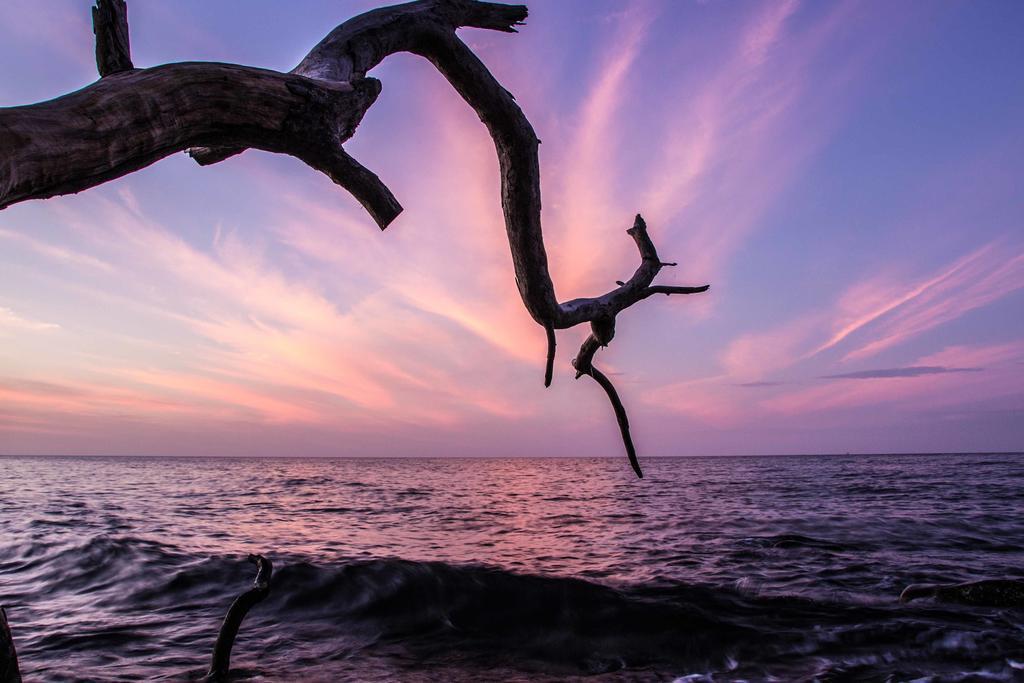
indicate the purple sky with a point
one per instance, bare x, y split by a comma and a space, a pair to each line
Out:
849, 177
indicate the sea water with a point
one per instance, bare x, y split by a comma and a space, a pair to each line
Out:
709, 569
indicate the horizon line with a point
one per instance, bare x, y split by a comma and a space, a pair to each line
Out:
501, 457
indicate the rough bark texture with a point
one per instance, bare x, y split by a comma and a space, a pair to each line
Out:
131, 118
110, 24
221, 663
9, 671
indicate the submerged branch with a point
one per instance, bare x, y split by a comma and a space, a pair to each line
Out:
9, 671
221, 663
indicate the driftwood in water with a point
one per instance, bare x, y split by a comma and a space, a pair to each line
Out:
985, 593
221, 663
9, 671
132, 117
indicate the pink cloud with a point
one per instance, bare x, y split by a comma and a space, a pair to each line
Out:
730, 148
15, 321
1000, 374
755, 355
888, 312
584, 208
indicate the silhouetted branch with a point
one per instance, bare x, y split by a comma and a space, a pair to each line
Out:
110, 24
668, 289
602, 322
360, 182
620, 417
549, 366
221, 663
348, 52
584, 364
131, 118
109, 129
637, 288
9, 671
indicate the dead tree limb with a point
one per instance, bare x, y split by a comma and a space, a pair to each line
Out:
221, 663
602, 325
9, 671
133, 117
128, 120
110, 24
549, 365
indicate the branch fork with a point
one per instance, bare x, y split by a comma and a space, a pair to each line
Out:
602, 324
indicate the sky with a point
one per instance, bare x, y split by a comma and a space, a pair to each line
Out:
848, 177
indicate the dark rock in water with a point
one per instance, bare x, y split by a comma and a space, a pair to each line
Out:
988, 593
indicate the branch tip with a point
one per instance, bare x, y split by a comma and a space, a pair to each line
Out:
549, 367
221, 661
620, 417
672, 289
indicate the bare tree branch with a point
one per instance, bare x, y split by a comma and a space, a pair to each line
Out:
620, 417
663, 289
549, 366
131, 118
128, 120
602, 323
637, 288
584, 364
110, 24
221, 664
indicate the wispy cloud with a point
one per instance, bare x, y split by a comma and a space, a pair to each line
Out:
730, 150
13, 321
278, 347
876, 313
911, 371
54, 252
929, 390
895, 313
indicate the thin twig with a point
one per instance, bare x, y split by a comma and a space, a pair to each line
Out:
549, 368
671, 289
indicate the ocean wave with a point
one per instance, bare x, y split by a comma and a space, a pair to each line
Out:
131, 599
